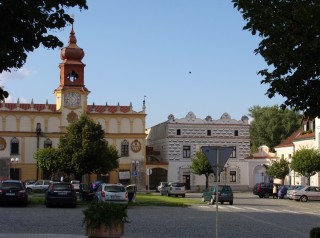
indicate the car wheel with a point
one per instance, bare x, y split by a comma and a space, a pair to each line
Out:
222, 202
231, 202
183, 195
266, 195
29, 190
168, 195
260, 196
303, 199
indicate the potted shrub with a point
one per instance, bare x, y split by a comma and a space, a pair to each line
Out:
103, 219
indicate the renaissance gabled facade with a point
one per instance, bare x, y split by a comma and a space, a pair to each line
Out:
178, 140
24, 128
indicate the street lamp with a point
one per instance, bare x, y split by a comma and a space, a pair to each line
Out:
289, 160
262, 174
14, 161
135, 172
38, 133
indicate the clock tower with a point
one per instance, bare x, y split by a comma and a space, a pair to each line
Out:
71, 95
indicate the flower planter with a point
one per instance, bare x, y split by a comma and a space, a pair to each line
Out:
115, 231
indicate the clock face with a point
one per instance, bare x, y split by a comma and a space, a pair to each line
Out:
72, 99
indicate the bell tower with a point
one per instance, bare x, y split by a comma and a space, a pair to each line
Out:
71, 93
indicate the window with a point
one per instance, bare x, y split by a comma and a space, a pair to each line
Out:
178, 132
236, 133
14, 146
208, 132
124, 148
233, 176
186, 151
234, 152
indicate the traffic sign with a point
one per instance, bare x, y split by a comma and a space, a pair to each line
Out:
135, 173
149, 171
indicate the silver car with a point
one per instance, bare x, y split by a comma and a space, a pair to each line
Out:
113, 193
306, 193
174, 189
38, 186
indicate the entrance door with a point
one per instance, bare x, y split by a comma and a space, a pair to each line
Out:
186, 181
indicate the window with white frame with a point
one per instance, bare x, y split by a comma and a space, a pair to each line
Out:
233, 176
186, 151
125, 148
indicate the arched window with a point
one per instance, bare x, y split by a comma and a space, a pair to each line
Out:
14, 146
124, 148
47, 143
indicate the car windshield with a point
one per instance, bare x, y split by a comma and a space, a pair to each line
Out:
59, 186
178, 185
114, 189
6, 185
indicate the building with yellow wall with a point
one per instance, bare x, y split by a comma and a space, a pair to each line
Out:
26, 127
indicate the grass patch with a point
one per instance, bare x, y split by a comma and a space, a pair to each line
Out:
149, 199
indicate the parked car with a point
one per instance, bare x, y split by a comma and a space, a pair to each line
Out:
282, 191
225, 195
38, 186
29, 181
84, 192
112, 193
263, 190
94, 185
175, 189
13, 191
75, 184
60, 193
306, 193
289, 191
161, 186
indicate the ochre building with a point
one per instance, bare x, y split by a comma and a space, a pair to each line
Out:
24, 128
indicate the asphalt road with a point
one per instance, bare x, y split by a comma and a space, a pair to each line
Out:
250, 216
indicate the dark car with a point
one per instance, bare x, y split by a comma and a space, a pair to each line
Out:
263, 190
225, 195
94, 186
282, 192
13, 191
61, 193
84, 192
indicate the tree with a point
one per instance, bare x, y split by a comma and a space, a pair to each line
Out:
279, 169
290, 46
306, 162
48, 159
201, 166
271, 125
84, 150
25, 26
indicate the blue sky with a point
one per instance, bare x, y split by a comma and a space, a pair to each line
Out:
147, 48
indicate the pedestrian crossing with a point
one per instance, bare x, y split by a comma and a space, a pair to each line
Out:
235, 208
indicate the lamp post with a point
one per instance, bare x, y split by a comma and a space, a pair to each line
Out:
14, 161
38, 133
135, 172
262, 172
289, 160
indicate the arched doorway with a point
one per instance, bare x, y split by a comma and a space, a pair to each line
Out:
158, 175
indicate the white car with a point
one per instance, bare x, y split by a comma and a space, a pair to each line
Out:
306, 193
174, 189
161, 186
38, 186
112, 193
76, 185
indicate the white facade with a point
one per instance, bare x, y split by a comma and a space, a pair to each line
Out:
178, 140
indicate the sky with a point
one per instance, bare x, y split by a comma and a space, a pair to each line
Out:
180, 55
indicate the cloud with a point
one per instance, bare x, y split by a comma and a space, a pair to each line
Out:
17, 74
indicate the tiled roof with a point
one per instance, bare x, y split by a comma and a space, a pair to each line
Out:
289, 141
52, 107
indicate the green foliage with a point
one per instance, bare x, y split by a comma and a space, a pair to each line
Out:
290, 46
271, 125
306, 162
108, 214
48, 159
25, 26
201, 166
315, 232
279, 169
84, 149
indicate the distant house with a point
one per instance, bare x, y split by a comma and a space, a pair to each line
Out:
177, 141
